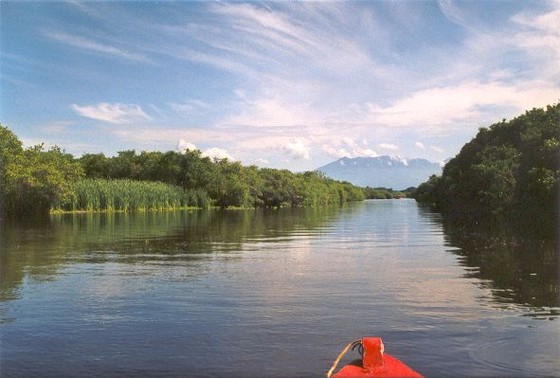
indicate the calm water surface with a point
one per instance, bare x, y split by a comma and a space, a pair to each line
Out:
272, 293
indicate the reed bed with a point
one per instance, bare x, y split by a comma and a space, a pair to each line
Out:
129, 195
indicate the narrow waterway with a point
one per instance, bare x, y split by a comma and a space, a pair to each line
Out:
271, 293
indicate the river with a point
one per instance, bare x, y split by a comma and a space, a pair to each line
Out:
272, 293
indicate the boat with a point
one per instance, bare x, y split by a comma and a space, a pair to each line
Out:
374, 362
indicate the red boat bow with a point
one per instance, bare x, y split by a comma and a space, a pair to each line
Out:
374, 363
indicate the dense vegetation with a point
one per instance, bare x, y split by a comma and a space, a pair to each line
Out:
32, 179
37, 180
508, 171
128, 195
227, 184
387, 193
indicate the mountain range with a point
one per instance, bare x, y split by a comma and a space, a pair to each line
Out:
382, 171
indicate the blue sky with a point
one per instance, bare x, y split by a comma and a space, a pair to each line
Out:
277, 84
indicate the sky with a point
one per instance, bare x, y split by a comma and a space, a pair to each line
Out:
279, 84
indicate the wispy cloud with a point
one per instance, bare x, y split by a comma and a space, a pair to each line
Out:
270, 80
454, 13
539, 37
306, 68
299, 96
190, 108
112, 113
275, 111
94, 46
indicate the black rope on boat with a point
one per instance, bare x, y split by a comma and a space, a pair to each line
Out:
360, 346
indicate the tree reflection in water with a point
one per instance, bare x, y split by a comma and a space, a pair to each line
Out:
519, 267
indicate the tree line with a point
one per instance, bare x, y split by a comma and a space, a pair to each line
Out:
509, 170
38, 180
387, 193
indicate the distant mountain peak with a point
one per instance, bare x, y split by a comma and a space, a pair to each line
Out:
387, 171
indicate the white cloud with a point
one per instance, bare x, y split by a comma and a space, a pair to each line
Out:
347, 147
297, 149
298, 70
388, 146
113, 113
212, 153
303, 74
217, 153
366, 152
336, 151
473, 102
184, 145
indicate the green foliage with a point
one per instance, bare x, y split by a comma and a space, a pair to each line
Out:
187, 170
385, 193
430, 192
38, 180
10, 145
509, 170
128, 195
34, 178
10, 150
228, 184
95, 165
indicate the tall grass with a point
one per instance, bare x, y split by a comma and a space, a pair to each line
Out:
129, 195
